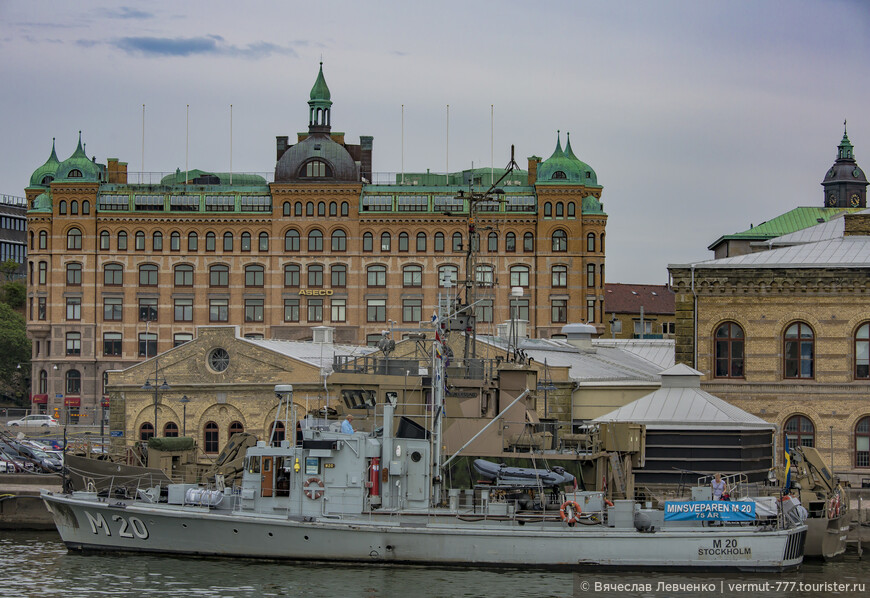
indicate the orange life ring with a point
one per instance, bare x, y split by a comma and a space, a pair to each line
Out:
608, 502
834, 507
569, 512
313, 488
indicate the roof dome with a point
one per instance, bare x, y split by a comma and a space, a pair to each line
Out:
78, 167
46, 173
845, 168
42, 203
591, 205
564, 167
328, 160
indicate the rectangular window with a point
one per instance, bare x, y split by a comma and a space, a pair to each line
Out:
112, 344
483, 311
218, 310
151, 203
377, 203
376, 310
522, 307
256, 203
616, 326
147, 344
412, 310
220, 203
113, 309
647, 327
184, 203
183, 310
116, 203
181, 337
520, 203
73, 308
590, 310
73, 343
339, 310
291, 310
412, 203
253, 310
559, 311
315, 310
41, 308
148, 309
668, 327
447, 203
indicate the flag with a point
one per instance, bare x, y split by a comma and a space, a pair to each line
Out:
787, 467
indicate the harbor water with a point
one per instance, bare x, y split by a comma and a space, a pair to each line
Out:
36, 564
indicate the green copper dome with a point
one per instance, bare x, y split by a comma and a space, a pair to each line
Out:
320, 91
42, 203
78, 167
563, 167
43, 175
591, 205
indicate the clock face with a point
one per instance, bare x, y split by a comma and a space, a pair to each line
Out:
855, 200
832, 199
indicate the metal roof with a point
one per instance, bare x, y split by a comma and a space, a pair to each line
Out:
844, 252
792, 221
657, 351
831, 229
317, 354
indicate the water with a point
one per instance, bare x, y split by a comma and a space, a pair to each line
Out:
37, 564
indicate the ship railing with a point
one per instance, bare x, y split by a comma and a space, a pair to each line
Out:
736, 483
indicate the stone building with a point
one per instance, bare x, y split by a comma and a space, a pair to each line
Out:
124, 267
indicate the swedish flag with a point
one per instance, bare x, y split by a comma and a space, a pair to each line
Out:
787, 467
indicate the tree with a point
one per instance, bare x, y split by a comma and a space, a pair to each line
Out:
14, 293
14, 350
9, 268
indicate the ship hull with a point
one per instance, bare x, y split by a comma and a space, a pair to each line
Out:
92, 525
826, 538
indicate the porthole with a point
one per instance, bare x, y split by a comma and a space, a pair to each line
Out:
416, 456
219, 359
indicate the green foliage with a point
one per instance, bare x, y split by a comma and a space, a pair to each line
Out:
9, 268
14, 293
14, 350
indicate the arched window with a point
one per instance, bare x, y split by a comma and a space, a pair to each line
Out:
339, 240
61, 207
439, 241
457, 242
560, 240
601, 244
519, 276
73, 383
315, 275
113, 275
315, 240
339, 275
862, 352
254, 275
291, 240
368, 242
246, 241
86, 207
412, 276
148, 275
798, 351
421, 242
264, 242
560, 210
105, 242
317, 168
219, 275
590, 242
170, 430
192, 242
157, 241
321, 208
74, 207
235, 428
175, 241
510, 242
799, 431
404, 241
74, 275
448, 275
333, 208
558, 175
376, 276
43, 382
184, 275
297, 209
309, 209
211, 438
345, 208
140, 241
43, 239
146, 431
210, 241
862, 442
528, 242
386, 241
559, 276
286, 208
291, 275
75, 173
74, 239
228, 241
572, 210
548, 210
276, 433
729, 351
492, 243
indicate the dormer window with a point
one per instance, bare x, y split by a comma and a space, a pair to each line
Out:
559, 175
47, 179
317, 169
75, 173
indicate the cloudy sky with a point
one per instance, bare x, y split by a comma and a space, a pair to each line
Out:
700, 118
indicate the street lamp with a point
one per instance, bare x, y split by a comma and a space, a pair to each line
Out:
184, 401
162, 387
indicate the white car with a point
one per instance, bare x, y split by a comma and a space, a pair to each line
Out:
31, 421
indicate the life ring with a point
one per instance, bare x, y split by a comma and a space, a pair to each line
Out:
608, 502
834, 507
313, 488
569, 512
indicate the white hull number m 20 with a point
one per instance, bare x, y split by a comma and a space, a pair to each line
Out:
128, 527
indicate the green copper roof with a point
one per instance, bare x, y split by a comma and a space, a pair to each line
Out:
320, 91
564, 168
49, 169
591, 205
78, 162
178, 177
790, 222
42, 203
845, 147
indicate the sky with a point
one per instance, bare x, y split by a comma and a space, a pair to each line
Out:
699, 118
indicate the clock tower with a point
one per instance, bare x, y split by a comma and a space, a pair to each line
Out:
845, 184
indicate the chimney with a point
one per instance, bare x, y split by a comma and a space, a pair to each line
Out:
533, 169
580, 335
857, 225
281, 145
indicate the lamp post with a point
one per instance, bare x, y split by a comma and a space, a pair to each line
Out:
184, 401
156, 388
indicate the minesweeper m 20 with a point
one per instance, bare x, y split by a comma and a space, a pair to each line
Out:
377, 497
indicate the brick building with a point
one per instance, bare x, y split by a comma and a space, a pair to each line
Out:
639, 310
123, 270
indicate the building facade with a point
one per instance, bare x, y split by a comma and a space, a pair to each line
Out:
122, 271
639, 311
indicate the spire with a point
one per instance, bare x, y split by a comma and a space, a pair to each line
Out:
558, 153
80, 150
53, 156
319, 106
568, 152
845, 147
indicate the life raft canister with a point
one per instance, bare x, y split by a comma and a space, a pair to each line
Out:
313, 488
569, 512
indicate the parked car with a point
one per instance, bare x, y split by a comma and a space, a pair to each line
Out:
31, 421
11, 456
39, 457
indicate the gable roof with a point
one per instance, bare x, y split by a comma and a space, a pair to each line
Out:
792, 221
629, 298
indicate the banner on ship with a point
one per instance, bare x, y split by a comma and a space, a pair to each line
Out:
706, 510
